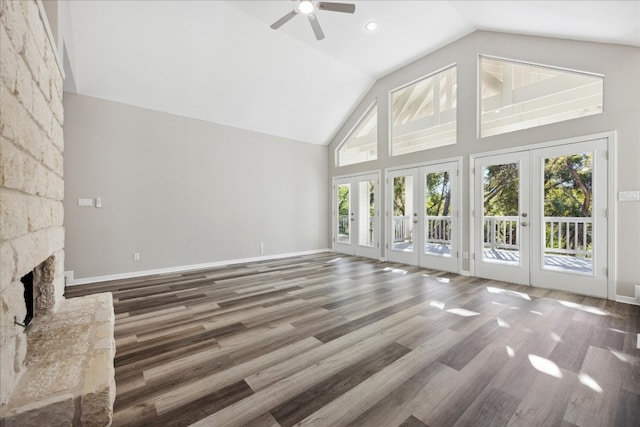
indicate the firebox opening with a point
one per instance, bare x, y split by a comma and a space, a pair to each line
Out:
27, 281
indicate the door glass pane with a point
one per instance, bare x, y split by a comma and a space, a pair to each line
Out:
438, 214
344, 214
501, 186
366, 213
402, 213
568, 221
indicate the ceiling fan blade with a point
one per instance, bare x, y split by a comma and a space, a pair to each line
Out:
316, 27
337, 7
286, 18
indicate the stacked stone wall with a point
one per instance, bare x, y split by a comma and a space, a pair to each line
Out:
31, 174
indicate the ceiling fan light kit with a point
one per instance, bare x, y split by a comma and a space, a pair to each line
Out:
307, 7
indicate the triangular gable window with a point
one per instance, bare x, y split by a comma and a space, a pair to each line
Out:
361, 145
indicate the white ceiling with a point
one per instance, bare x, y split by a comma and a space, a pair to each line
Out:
220, 61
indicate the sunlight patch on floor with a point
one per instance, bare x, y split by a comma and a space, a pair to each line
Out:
555, 337
589, 382
510, 352
545, 366
437, 304
463, 312
395, 270
508, 292
439, 279
585, 308
502, 323
620, 356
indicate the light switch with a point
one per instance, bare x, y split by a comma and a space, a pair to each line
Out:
629, 196
98, 202
85, 203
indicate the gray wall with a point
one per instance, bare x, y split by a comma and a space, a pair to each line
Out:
619, 64
181, 191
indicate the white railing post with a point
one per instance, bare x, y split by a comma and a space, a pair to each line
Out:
568, 228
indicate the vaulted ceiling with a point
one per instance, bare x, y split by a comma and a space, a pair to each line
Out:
220, 61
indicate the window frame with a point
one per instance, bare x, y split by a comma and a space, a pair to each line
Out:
363, 116
534, 64
405, 85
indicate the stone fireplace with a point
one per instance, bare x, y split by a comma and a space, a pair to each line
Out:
60, 367
39, 290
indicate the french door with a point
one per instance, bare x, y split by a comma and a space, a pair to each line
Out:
355, 215
423, 218
540, 217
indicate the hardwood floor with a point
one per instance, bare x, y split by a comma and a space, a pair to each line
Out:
336, 340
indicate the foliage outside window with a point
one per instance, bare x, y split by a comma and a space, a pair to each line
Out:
568, 199
438, 213
424, 113
361, 145
519, 96
343, 213
567, 214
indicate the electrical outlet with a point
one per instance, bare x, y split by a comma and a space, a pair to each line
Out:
136, 256
261, 248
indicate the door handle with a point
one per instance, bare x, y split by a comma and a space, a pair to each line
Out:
525, 223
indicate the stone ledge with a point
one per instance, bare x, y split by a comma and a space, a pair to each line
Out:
69, 373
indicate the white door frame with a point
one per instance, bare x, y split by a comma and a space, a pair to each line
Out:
591, 284
508, 271
611, 138
353, 248
388, 206
439, 262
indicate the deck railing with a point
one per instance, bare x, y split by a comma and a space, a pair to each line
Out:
501, 232
569, 235
343, 230
563, 235
438, 229
343, 225
401, 228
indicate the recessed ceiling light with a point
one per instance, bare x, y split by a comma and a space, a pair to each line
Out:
371, 26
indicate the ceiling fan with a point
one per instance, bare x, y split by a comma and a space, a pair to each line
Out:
307, 7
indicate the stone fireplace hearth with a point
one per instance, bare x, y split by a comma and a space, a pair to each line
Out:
60, 368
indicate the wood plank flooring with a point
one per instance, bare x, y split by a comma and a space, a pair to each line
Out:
332, 340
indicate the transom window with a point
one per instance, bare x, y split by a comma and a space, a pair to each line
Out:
361, 145
519, 96
424, 113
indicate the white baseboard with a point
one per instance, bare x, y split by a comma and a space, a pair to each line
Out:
627, 300
465, 273
134, 274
